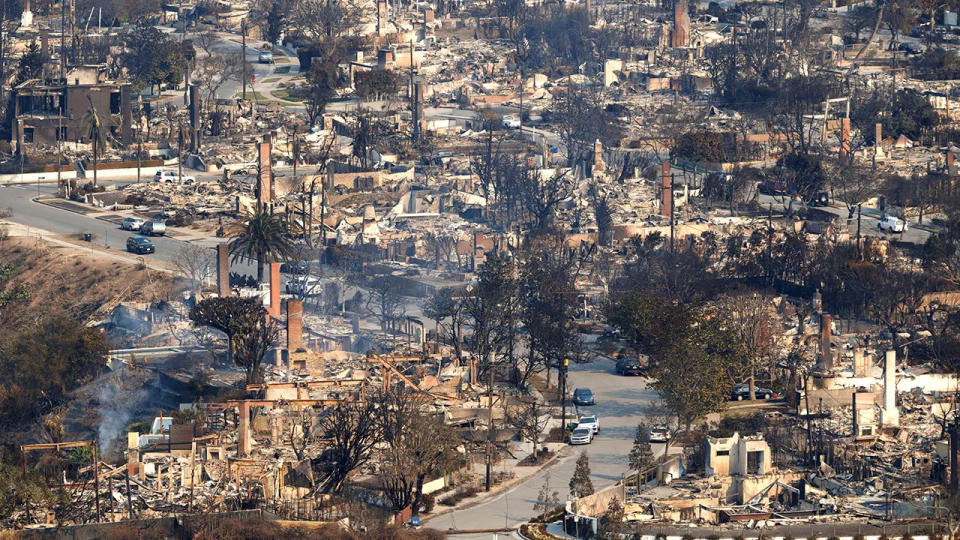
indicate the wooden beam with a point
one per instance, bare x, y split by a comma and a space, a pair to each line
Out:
296, 402
54, 446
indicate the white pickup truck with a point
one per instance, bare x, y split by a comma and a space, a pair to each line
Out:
892, 224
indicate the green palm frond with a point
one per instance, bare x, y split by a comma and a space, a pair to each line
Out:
262, 237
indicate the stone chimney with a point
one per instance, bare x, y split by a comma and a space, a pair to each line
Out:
599, 167
862, 366
223, 271
878, 139
826, 355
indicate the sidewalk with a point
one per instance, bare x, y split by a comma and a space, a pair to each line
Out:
15, 229
522, 474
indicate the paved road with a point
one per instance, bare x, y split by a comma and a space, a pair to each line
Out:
621, 404
19, 199
916, 233
229, 45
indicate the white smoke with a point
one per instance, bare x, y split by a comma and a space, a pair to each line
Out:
118, 405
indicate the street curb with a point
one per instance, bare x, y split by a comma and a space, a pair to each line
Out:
47, 236
500, 489
40, 200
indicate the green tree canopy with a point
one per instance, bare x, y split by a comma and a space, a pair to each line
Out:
580, 483
151, 57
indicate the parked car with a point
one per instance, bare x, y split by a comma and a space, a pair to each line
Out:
140, 245
581, 435
659, 434
154, 228
511, 121
170, 176
629, 366
131, 224
910, 48
892, 224
772, 187
583, 396
304, 286
266, 57
742, 391
591, 422
819, 198
295, 267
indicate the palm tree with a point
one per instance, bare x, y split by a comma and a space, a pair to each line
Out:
97, 132
263, 237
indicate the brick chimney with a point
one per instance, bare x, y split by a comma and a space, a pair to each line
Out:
666, 191
844, 141
265, 176
294, 325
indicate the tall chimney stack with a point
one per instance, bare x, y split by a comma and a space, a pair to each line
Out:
223, 271
294, 325
891, 415
826, 355
666, 191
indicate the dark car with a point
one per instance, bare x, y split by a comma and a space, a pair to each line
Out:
140, 245
583, 396
772, 187
295, 267
819, 198
629, 366
742, 391
911, 48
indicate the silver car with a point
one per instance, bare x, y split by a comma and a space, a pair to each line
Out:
659, 434
131, 224
582, 435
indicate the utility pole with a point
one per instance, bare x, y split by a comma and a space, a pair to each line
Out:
489, 420
859, 215
293, 150
563, 397
180, 152
414, 104
323, 204
243, 54
139, 148
521, 104
63, 39
96, 479
671, 213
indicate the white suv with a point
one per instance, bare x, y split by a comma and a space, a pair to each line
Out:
172, 176
589, 422
892, 224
